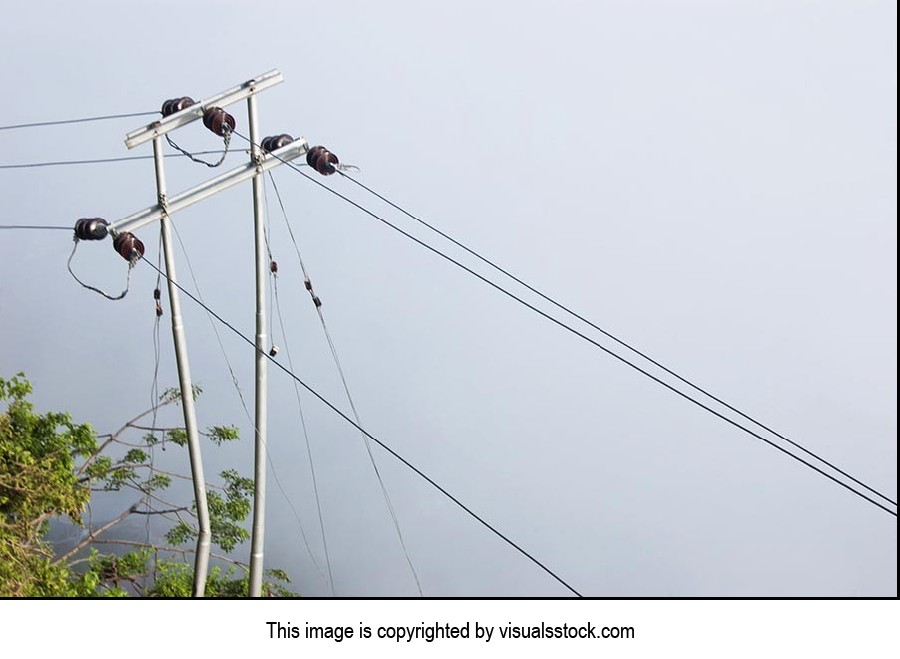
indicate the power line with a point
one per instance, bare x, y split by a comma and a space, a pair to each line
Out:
240, 394
584, 336
611, 336
60, 122
273, 278
34, 226
387, 448
337, 362
315, 483
96, 161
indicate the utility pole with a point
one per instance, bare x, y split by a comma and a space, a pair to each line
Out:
259, 453
201, 557
278, 150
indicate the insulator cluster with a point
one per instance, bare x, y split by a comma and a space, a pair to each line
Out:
174, 105
128, 246
275, 142
156, 296
218, 121
91, 228
322, 160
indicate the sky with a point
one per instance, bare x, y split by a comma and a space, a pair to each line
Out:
714, 183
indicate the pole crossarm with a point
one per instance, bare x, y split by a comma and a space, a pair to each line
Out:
195, 112
204, 190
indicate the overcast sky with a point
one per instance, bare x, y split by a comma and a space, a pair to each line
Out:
714, 182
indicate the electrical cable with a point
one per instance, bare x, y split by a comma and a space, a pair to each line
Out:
273, 280
387, 448
337, 362
200, 161
79, 121
97, 290
32, 226
96, 161
611, 336
581, 335
154, 390
287, 351
239, 392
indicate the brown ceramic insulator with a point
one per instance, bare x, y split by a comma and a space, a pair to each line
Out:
218, 121
273, 267
156, 293
308, 284
275, 142
128, 246
91, 228
313, 153
325, 163
174, 105
158, 310
317, 301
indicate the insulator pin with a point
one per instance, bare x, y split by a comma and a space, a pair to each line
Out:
128, 246
218, 121
275, 142
322, 160
91, 228
174, 105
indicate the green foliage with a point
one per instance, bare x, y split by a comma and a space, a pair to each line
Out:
48, 467
219, 434
38, 480
176, 580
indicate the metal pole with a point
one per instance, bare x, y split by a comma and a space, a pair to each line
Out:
259, 489
201, 558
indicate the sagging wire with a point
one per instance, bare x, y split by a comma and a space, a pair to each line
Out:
194, 158
126, 244
240, 394
493, 529
154, 386
273, 280
327, 159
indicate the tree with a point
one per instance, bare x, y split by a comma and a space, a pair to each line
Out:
49, 468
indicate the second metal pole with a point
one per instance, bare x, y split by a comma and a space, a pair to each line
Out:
201, 557
259, 490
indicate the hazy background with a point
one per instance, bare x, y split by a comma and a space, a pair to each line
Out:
714, 182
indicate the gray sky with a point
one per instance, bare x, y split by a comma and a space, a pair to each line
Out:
712, 182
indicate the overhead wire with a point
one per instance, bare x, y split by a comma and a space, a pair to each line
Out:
273, 280
609, 335
97, 161
61, 122
384, 446
239, 392
154, 389
318, 306
583, 336
33, 226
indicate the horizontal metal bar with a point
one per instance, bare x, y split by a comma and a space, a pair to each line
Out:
200, 192
194, 112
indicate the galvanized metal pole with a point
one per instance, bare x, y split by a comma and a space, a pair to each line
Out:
259, 467
201, 557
